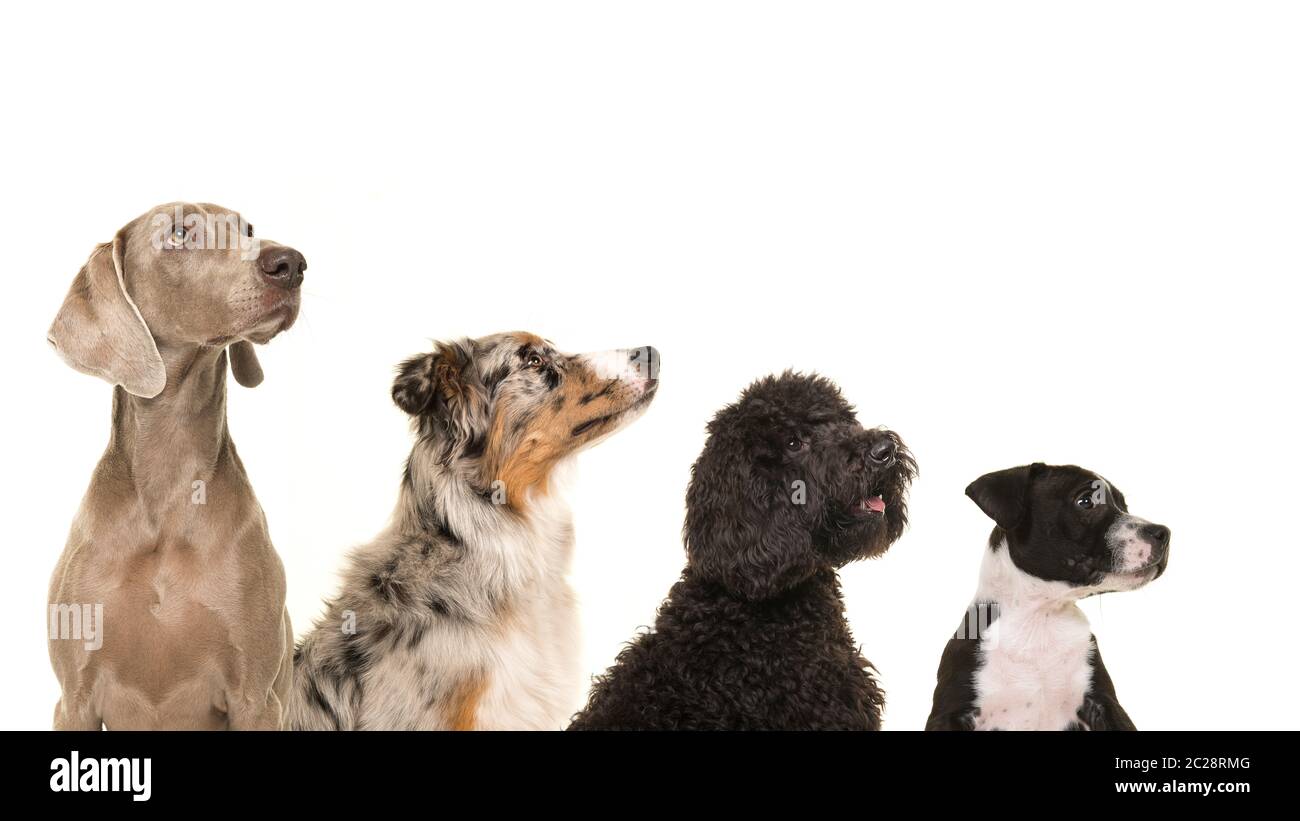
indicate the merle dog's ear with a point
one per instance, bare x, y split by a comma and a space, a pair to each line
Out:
1004, 494
443, 386
431, 379
416, 385
742, 531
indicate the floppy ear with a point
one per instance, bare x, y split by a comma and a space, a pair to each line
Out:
1003, 495
99, 330
244, 364
442, 387
741, 531
422, 380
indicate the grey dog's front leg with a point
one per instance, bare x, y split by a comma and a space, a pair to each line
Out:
76, 717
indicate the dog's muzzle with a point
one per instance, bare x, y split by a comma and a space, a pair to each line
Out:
1138, 546
631, 365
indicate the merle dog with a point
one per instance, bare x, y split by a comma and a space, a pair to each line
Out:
1026, 658
789, 488
459, 616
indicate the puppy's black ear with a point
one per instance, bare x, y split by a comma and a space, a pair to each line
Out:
1004, 494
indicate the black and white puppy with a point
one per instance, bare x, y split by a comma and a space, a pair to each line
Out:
1026, 658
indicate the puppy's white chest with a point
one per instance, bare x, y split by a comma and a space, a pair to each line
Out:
1035, 672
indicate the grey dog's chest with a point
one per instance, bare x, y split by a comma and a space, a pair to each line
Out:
152, 633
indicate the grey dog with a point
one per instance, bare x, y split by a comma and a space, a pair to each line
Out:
170, 546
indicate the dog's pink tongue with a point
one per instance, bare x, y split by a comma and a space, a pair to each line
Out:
876, 504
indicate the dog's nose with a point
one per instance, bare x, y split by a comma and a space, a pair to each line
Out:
282, 266
1155, 535
883, 452
645, 360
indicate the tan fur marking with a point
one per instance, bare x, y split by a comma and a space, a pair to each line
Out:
464, 701
526, 462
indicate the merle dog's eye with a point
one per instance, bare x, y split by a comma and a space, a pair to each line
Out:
794, 443
535, 361
177, 237
1084, 502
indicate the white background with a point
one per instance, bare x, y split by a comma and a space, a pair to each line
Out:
1011, 231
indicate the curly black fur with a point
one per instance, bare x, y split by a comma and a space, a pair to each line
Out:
753, 636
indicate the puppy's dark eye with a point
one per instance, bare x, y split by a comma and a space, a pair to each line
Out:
1084, 502
535, 361
794, 443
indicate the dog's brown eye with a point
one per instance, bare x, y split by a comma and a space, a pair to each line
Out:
177, 237
794, 443
535, 361
1084, 501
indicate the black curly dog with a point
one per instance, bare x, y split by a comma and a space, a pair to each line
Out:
789, 488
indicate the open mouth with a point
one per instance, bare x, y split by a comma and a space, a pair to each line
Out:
870, 506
